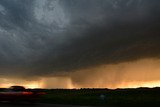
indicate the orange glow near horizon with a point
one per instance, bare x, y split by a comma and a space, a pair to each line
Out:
149, 84
31, 85
69, 85
6, 83
140, 73
136, 84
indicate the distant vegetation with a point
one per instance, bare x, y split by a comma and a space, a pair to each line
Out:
103, 97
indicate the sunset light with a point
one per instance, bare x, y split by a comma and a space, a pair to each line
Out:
33, 85
53, 45
6, 83
149, 84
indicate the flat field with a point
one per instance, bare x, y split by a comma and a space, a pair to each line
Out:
103, 97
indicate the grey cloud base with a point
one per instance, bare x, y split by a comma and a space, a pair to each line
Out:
43, 37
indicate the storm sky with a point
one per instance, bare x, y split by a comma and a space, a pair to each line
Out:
81, 41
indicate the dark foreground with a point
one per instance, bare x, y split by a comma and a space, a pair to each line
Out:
36, 105
140, 97
105, 97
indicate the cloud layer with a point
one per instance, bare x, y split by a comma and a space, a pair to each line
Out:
44, 37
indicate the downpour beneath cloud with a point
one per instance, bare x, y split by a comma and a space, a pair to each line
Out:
89, 43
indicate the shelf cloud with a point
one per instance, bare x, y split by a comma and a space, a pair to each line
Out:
42, 38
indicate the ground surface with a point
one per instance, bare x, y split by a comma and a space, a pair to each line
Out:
140, 97
37, 105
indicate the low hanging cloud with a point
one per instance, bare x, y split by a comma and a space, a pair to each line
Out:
40, 38
140, 73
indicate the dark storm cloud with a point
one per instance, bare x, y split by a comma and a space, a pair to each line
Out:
43, 36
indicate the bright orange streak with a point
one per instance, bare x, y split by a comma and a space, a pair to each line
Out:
32, 84
149, 84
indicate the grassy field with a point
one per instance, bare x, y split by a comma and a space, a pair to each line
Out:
103, 97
